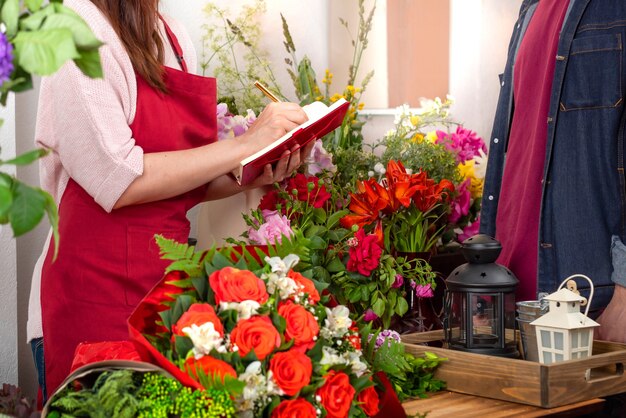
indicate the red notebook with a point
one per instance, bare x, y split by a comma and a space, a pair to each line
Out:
322, 120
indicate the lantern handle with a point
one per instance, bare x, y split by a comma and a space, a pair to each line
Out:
588, 301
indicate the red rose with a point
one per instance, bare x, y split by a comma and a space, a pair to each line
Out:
210, 366
198, 314
292, 370
256, 333
336, 394
369, 401
365, 256
306, 285
233, 285
354, 338
301, 324
271, 200
294, 408
316, 197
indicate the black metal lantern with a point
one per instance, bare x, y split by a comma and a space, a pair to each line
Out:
480, 302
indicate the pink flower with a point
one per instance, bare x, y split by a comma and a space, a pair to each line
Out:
366, 255
229, 125
469, 231
466, 144
424, 291
370, 316
398, 282
461, 205
272, 230
319, 160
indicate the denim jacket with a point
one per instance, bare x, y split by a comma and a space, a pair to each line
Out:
583, 192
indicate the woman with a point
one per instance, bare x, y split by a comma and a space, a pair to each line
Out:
131, 154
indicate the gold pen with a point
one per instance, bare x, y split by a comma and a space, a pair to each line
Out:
266, 92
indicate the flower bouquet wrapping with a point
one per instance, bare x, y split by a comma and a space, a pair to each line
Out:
261, 331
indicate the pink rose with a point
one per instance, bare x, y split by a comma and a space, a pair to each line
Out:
424, 291
272, 230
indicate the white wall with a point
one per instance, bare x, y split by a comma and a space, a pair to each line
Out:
8, 264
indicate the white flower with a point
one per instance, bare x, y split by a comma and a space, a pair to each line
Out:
205, 338
353, 358
331, 357
370, 174
338, 321
480, 164
282, 265
285, 286
245, 309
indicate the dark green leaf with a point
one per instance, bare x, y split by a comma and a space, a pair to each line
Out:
27, 157
335, 265
29, 205
279, 322
183, 345
335, 217
6, 198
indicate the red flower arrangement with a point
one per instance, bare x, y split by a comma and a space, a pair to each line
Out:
262, 332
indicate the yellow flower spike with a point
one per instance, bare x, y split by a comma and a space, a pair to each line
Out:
361, 106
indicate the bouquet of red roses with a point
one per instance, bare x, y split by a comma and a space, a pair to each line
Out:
260, 330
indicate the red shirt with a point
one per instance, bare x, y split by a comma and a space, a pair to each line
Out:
517, 221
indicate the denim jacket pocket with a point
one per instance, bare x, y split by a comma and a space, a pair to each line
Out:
593, 79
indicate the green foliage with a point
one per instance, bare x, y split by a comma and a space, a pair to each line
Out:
44, 37
125, 393
183, 256
420, 380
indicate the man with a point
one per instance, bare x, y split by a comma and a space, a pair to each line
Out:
555, 193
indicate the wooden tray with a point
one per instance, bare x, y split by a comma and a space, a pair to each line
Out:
527, 382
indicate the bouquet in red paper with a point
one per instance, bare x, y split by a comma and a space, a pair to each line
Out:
229, 319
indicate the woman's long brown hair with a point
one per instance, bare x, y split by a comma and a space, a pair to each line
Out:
135, 22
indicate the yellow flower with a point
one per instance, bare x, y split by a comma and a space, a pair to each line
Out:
431, 137
350, 90
415, 120
467, 171
361, 106
336, 97
418, 138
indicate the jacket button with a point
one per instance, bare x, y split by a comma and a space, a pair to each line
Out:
490, 197
496, 140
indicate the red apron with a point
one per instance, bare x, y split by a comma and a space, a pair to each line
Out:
107, 262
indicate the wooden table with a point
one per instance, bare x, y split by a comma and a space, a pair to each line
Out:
452, 404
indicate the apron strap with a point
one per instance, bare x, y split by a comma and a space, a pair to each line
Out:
178, 51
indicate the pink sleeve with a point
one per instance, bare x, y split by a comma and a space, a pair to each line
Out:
86, 124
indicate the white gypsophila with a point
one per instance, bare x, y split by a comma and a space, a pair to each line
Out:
258, 388
338, 321
282, 265
281, 284
370, 174
480, 164
379, 168
400, 112
245, 309
353, 358
204, 338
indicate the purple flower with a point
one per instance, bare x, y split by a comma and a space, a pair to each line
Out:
270, 232
229, 125
6, 58
319, 160
424, 291
370, 316
387, 334
398, 282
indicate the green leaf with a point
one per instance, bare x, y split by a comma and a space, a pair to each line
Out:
6, 198
335, 217
335, 265
53, 217
27, 157
379, 307
82, 35
44, 52
29, 205
35, 20
318, 243
10, 16
33, 5
279, 322
402, 307
89, 63
183, 345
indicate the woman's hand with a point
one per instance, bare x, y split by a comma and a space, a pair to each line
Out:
274, 121
613, 319
288, 164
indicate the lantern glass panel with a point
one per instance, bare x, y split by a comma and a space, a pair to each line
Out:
558, 357
584, 338
457, 318
546, 341
509, 310
558, 341
485, 322
574, 340
547, 357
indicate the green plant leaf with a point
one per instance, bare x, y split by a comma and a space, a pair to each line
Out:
35, 20
33, 5
6, 195
27, 157
10, 16
83, 37
44, 52
29, 205
53, 217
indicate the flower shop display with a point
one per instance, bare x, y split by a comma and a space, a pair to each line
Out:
263, 332
13, 403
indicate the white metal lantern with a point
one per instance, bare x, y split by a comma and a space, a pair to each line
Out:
564, 333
